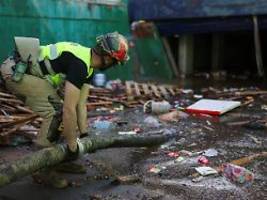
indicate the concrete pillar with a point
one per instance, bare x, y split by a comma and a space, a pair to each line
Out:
216, 52
186, 54
170, 56
257, 43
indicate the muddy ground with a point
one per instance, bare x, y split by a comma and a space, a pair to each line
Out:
175, 181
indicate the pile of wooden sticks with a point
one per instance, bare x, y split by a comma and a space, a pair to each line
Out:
16, 118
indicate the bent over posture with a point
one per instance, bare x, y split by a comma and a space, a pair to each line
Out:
35, 73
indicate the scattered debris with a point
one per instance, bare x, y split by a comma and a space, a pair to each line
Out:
264, 107
205, 171
148, 91
256, 140
202, 160
180, 159
127, 133
173, 154
16, 118
130, 179
198, 96
248, 159
198, 179
173, 116
157, 107
103, 125
210, 153
256, 125
168, 161
237, 174
155, 169
152, 122
167, 144
212, 107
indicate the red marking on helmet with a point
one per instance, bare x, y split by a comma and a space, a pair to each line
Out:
120, 55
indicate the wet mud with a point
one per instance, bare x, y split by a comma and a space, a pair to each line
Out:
174, 179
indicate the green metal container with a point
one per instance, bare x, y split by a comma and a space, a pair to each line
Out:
78, 21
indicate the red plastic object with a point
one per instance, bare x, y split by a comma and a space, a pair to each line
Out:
202, 160
173, 154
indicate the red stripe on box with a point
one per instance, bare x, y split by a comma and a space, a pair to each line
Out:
209, 112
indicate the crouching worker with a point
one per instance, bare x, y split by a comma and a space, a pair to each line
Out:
35, 73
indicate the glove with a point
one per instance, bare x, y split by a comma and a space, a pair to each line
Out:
78, 153
83, 135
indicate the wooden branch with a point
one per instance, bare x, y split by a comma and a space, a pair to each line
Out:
11, 100
250, 93
49, 157
13, 129
29, 118
2, 94
24, 109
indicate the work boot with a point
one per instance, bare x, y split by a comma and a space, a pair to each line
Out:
71, 167
50, 178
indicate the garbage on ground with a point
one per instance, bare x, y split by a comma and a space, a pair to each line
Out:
186, 153
248, 101
121, 122
156, 107
208, 128
155, 169
198, 96
205, 171
198, 179
127, 133
248, 159
210, 153
189, 153
202, 160
173, 154
138, 130
256, 140
264, 107
181, 141
237, 174
103, 125
168, 144
120, 108
162, 166
187, 91
152, 122
255, 125
212, 107
169, 132
173, 116
180, 159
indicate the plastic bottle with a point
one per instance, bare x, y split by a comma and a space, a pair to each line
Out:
157, 107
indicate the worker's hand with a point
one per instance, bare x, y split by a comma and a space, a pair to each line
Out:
75, 155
